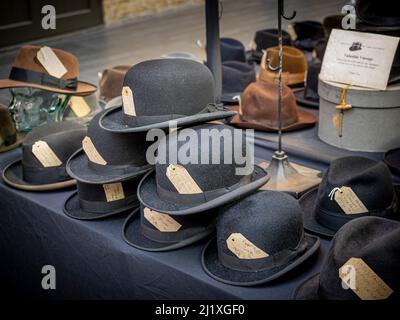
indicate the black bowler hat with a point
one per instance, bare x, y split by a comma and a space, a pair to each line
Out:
109, 157
97, 201
369, 243
236, 76
149, 230
379, 13
205, 186
158, 91
267, 38
371, 183
45, 151
392, 159
308, 96
307, 34
232, 50
259, 239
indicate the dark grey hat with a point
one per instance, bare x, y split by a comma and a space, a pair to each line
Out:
369, 180
148, 230
392, 159
232, 50
212, 185
372, 243
236, 76
308, 96
164, 90
45, 152
308, 33
259, 239
109, 157
98, 201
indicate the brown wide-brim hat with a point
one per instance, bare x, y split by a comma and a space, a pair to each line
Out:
111, 82
259, 110
16, 144
27, 71
9, 137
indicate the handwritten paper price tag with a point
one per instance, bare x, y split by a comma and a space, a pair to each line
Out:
348, 201
79, 106
163, 222
128, 102
114, 191
243, 248
45, 154
182, 180
50, 62
367, 284
91, 152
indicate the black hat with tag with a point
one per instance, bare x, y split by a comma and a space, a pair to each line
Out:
108, 157
236, 76
352, 187
308, 96
150, 230
363, 263
207, 173
98, 201
45, 151
259, 239
264, 39
158, 91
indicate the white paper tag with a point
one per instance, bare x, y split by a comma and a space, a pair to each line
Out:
50, 62
348, 201
163, 222
114, 191
128, 102
357, 58
243, 248
79, 106
292, 32
45, 154
363, 281
91, 152
182, 180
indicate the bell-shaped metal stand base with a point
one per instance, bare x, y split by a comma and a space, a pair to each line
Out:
294, 179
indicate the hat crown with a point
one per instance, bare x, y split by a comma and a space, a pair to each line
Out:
309, 29
268, 38
374, 240
116, 148
208, 177
293, 59
8, 133
311, 89
170, 87
232, 50
260, 104
270, 220
110, 83
236, 76
26, 59
370, 180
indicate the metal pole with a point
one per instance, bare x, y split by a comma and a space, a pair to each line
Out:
280, 12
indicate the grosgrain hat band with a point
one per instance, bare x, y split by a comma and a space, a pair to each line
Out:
250, 265
106, 207
198, 198
335, 221
29, 76
45, 175
117, 169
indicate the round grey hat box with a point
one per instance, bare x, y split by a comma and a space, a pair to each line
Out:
372, 124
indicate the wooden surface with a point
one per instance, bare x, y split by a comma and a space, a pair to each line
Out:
175, 30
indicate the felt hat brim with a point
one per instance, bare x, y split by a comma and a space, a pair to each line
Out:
214, 268
78, 168
305, 120
16, 144
73, 210
392, 159
308, 290
82, 89
132, 235
12, 175
112, 120
308, 203
299, 94
147, 195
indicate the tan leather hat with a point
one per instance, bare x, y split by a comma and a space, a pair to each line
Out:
259, 109
294, 66
110, 83
27, 71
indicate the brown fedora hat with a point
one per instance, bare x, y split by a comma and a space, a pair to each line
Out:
111, 81
294, 66
27, 71
259, 109
9, 138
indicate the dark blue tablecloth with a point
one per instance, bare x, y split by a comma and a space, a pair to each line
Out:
92, 260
